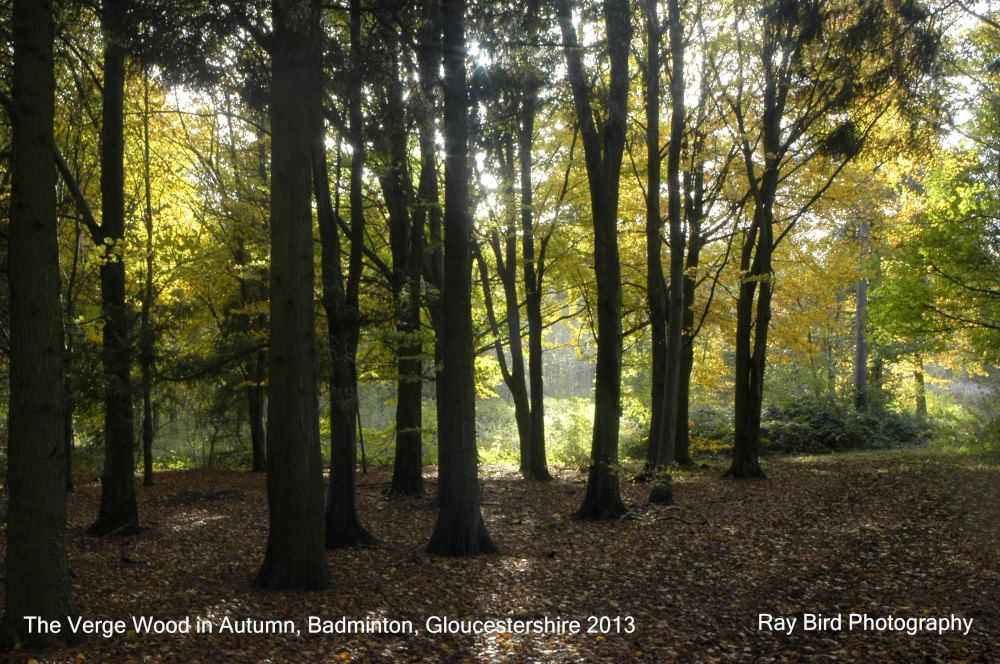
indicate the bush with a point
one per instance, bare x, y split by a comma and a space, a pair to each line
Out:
811, 429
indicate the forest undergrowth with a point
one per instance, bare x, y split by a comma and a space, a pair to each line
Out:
903, 534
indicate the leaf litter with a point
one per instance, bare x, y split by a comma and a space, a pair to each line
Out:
903, 534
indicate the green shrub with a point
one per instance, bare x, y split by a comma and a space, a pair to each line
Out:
808, 428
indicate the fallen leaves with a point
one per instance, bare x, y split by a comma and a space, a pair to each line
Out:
901, 533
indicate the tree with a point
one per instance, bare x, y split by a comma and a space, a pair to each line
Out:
603, 150
343, 314
510, 89
818, 76
119, 513
296, 552
662, 491
37, 577
460, 530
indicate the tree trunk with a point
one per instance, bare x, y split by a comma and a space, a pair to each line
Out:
427, 213
343, 528
460, 530
256, 395
147, 353
918, 377
536, 467
296, 555
603, 153
406, 240
750, 359
118, 513
506, 258
663, 491
860, 326
656, 289
37, 578
695, 186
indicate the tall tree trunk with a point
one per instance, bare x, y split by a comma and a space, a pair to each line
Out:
603, 154
536, 467
37, 578
119, 512
406, 239
751, 340
340, 299
428, 212
861, 325
695, 186
460, 529
656, 288
147, 353
296, 554
663, 491
69, 316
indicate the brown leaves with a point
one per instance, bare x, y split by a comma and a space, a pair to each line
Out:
899, 534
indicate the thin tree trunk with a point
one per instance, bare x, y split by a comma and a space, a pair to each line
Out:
603, 155
663, 491
146, 336
256, 395
428, 212
861, 325
406, 240
918, 377
694, 184
536, 467
656, 288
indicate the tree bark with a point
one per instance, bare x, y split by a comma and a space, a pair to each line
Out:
340, 299
406, 242
695, 187
861, 325
656, 288
296, 554
603, 155
663, 491
536, 467
37, 578
147, 351
460, 529
119, 512
921, 397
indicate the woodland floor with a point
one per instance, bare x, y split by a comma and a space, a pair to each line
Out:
905, 534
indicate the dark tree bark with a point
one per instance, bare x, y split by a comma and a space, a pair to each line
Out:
460, 530
256, 404
656, 286
881, 53
861, 325
536, 466
663, 491
147, 351
296, 552
921, 397
406, 238
695, 213
69, 315
340, 299
603, 155
119, 513
428, 211
37, 578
